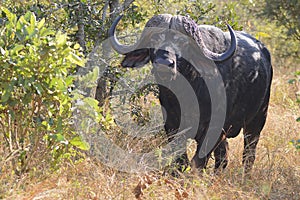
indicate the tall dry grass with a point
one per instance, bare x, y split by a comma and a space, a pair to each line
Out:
276, 173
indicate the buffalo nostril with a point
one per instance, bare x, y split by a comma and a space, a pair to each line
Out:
164, 62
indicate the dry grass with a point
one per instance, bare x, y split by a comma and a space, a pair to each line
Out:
276, 174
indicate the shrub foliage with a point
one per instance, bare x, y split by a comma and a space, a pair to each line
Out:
36, 66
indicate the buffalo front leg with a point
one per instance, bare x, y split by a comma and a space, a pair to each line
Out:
176, 139
220, 153
199, 161
178, 146
181, 162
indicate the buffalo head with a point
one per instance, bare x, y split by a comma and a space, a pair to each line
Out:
162, 42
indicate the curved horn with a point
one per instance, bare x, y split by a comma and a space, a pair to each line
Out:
227, 54
116, 45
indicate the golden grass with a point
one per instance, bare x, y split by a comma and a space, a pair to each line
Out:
276, 173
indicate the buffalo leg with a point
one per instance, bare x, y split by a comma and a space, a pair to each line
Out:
182, 162
252, 133
197, 162
251, 137
171, 127
250, 143
221, 155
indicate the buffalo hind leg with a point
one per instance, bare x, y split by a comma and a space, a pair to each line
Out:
251, 136
221, 155
250, 143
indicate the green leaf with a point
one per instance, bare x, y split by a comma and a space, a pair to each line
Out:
27, 98
21, 23
10, 16
32, 20
79, 143
41, 23
58, 137
76, 46
17, 48
57, 83
59, 125
46, 32
27, 16
60, 39
76, 60
298, 119
91, 102
90, 78
6, 93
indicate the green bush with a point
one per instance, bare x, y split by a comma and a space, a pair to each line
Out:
36, 66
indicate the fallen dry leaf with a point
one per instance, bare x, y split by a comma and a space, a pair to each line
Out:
181, 194
144, 183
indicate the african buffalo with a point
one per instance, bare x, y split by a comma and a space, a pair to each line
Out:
243, 62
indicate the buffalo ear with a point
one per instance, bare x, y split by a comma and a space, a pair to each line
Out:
136, 58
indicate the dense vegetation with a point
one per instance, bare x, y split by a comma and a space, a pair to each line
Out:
55, 63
